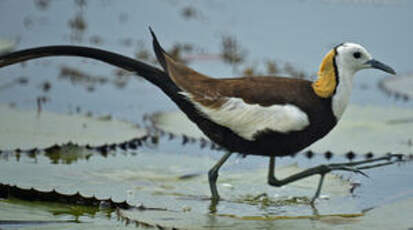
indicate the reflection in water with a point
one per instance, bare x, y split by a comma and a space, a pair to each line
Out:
57, 203
70, 153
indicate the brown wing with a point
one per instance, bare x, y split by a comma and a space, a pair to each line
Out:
247, 106
265, 91
210, 92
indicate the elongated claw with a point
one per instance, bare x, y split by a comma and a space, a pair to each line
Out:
351, 169
322, 170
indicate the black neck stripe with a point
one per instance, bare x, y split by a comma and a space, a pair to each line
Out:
335, 68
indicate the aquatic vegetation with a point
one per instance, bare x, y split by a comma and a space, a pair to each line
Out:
399, 88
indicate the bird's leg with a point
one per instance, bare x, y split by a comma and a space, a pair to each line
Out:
271, 176
213, 175
324, 169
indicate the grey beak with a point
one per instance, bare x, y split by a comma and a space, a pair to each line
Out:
378, 65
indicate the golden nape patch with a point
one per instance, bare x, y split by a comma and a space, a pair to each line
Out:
326, 83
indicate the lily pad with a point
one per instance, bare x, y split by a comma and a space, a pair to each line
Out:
194, 220
176, 122
176, 182
90, 204
7, 46
399, 87
48, 215
28, 129
172, 175
17, 214
390, 216
373, 129
363, 129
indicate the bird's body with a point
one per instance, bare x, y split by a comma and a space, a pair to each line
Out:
259, 120
269, 116
272, 116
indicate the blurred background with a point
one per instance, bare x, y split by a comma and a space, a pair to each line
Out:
215, 37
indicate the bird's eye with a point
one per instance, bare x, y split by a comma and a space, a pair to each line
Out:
357, 55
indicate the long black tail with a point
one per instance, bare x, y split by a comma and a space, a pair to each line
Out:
150, 73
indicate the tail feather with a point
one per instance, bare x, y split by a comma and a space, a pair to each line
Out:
150, 73
159, 51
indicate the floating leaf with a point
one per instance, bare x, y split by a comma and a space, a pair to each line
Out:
17, 214
399, 87
384, 217
177, 123
389, 216
242, 206
69, 153
365, 129
176, 182
10, 191
7, 46
196, 220
27, 129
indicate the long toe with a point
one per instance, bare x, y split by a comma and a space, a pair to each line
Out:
350, 169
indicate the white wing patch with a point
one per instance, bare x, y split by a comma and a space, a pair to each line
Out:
246, 120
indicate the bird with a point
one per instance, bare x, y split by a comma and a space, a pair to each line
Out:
269, 116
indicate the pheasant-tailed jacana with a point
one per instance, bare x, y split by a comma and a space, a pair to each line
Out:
268, 116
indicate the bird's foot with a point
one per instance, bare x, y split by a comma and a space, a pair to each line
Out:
356, 167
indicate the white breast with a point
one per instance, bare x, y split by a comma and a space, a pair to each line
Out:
246, 120
343, 91
341, 99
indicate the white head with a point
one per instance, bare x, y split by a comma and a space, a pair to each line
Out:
352, 57
337, 71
